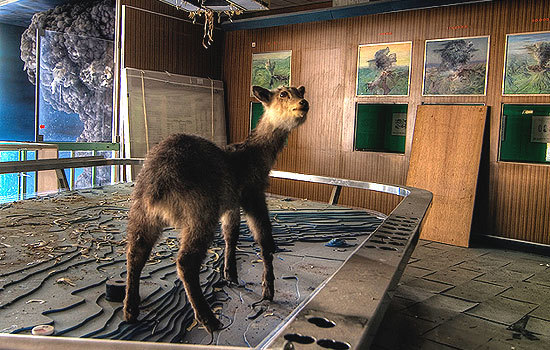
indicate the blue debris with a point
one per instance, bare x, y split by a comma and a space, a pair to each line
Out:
338, 243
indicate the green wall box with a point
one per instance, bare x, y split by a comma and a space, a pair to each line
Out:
256, 111
380, 127
525, 133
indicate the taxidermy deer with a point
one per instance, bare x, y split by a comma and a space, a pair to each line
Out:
190, 183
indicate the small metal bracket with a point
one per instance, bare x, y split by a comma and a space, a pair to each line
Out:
335, 195
62, 182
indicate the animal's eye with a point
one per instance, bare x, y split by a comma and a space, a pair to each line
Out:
283, 94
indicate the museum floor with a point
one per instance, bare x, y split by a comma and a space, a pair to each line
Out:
469, 298
56, 254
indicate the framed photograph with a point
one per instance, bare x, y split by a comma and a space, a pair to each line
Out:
384, 69
271, 69
456, 66
527, 64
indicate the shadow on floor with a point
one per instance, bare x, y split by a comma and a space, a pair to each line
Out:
469, 298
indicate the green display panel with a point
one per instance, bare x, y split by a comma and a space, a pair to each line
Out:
380, 127
256, 111
525, 133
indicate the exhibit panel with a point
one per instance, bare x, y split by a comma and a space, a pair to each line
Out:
155, 105
74, 88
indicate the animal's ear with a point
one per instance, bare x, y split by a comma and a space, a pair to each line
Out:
263, 95
302, 90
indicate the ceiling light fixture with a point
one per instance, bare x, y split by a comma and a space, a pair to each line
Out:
210, 8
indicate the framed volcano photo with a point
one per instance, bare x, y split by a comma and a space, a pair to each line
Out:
527, 64
384, 69
456, 66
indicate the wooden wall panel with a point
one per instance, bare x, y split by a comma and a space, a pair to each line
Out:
516, 197
160, 37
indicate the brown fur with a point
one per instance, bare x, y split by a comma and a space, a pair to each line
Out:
189, 183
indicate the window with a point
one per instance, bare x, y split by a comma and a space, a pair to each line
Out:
16, 186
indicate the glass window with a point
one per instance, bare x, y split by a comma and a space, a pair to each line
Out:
16, 186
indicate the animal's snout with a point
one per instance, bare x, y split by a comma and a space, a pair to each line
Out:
304, 104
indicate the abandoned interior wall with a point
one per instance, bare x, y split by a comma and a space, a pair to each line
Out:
513, 198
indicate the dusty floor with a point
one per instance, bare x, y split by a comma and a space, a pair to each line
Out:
469, 298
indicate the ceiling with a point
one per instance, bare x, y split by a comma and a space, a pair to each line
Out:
277, 4
20, 12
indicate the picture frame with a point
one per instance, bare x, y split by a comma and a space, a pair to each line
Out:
271, 69
384, 69
456, 66
526, 66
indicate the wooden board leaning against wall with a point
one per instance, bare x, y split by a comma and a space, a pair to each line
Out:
514, 200
451, 176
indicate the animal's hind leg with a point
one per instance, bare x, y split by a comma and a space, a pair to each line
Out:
193, 245
142, 233
260, 225
230, 227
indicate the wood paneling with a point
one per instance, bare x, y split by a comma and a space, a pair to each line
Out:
516, 197
451, 176
160, 37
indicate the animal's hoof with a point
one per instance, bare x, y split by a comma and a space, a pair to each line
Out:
231, 276
131, 314
268, 289
211, 324
268, 293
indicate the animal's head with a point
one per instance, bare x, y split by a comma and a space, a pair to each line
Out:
285, 107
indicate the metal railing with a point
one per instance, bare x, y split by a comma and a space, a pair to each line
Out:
343, 312
59, 164
346, 310
31, 151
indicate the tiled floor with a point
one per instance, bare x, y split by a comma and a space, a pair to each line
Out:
469, 298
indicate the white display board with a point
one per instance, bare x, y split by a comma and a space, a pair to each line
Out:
399, 124
540, 128
155, 105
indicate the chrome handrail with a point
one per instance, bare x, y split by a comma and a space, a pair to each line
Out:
356, 296
64, 163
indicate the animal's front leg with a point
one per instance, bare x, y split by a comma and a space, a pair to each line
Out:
230, 226
260, 225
